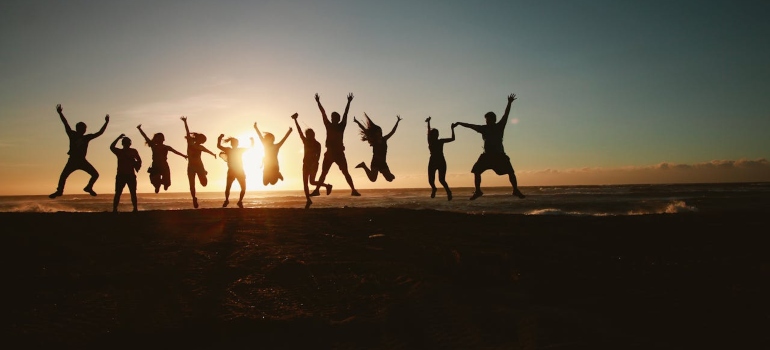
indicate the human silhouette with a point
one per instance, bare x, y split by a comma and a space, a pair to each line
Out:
437, 162
310, 160
195, 167
271, 172
129, 163
494, 156
372, 133
335, 148
234, 158
77, 153
160, 173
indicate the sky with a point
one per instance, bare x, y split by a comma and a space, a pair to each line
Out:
608, 92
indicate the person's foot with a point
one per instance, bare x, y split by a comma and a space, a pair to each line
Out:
165, 187
518, 193
308, 203
114, 210
90, 191
157, 189
361, 165
355, 194
448, 195
328, 189
240, 204
476, 194
55, 194
315, 193
224, 205
433, 193
195, 202
390, 177
135, 210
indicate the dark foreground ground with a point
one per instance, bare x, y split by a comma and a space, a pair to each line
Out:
385, 278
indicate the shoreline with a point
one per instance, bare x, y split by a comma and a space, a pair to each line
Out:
384, 278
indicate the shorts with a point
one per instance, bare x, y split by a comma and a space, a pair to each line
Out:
499, 162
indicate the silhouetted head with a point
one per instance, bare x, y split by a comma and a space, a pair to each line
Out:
433, 134
335, 117
310, 133
80, 127
198, 138
269, 137
158, 138
126, 142
490, 117
371, 133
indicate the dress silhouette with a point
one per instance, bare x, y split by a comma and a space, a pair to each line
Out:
234, 158
312, 154
335, 148
195, 166
78, 140
437, 162
494, 156
372, 133
129, 163
271, 171
160, 173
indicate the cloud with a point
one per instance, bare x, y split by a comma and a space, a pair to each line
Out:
174, 108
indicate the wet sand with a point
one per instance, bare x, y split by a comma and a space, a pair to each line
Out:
386, 278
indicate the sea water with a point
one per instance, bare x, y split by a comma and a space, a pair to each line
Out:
543, 200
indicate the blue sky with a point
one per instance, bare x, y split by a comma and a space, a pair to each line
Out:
608, 90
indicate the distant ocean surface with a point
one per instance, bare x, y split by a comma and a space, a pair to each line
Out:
545, 200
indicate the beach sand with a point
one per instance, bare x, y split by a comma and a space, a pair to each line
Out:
353, 278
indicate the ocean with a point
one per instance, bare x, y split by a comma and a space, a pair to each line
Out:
541, 200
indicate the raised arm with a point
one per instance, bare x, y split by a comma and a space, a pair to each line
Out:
104, 127
204, 149
359, 123
427, 120
259, 133
219, 142
474, 127
252, 142
146, 139
299, 130
344, 120
115, 143
323, 112
63, 120
504, 119
398, 119
186, 128
453, 135
284, 138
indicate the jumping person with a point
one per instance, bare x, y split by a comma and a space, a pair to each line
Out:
77, 153
312, 155
160, 173
194, 162
335, 149
437, 162
372, 133
234, 158
271, 172
494, 156
129, 163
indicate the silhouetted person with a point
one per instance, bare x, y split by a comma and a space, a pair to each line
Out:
437, 161
77, 152
160, 173
494, 156
234, 158
372, 133
129, 163
271, 172
310, 160
194, 162
335, 148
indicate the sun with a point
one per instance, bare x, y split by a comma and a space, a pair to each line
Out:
252, 161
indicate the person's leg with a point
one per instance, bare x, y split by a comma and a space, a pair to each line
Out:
191, 182
312, 170
65, 173
242, 183
326, 165
166, 177
477, 184
155, 177
119, 184
132, 190
432, 180
516, 192
370, 173
88, 168
230, 179
442, 180
342, 163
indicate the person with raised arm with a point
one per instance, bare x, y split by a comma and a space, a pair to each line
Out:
437, 162
160, 172
372, 133
129, 163
234, 158
194, 162
335, 148
494, 156
312, 154
78, 140
271, 171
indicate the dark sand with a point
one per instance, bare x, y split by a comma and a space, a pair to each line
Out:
385, 278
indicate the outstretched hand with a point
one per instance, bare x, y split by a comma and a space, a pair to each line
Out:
184, 119
399, 118
121, 136
106, 118
511, 98
58, 108
255, 125
317, 98
355, 120
221, 136
294, 116
427, 120
139, 126
350, 97
454, 125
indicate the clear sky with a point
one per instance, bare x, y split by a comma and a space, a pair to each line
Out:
608, 91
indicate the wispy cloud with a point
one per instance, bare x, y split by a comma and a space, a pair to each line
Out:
175, 108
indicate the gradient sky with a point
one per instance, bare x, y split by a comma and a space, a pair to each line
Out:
608, 91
